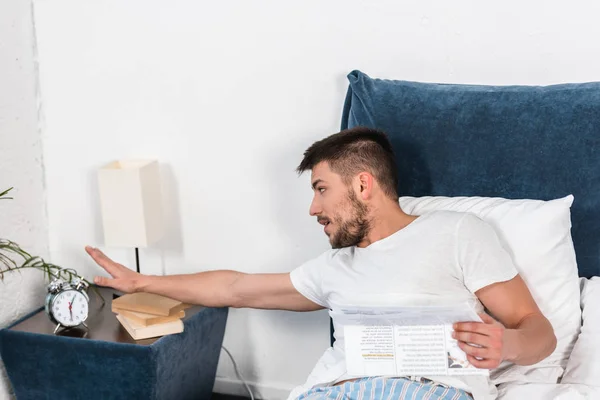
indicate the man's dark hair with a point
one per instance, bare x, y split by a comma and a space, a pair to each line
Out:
352, 151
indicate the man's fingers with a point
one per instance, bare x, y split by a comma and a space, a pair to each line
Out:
470, 337
98, 256
481, 341
102, 281
101, 259
480, 352
488, 327
487, 319
476, 327
485, 363
126, 286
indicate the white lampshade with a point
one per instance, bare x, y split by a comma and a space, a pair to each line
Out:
130, 203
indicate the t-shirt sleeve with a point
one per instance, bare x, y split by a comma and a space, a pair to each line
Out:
308, 279
480, 254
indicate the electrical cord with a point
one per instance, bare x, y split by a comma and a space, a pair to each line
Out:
237, 372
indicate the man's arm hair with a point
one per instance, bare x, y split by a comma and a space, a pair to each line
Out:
227, 288
211, 289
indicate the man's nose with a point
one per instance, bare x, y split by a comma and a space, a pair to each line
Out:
314, 208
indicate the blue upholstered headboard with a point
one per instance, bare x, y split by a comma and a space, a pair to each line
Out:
498, 141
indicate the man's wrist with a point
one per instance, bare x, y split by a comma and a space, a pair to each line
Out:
512, 343
142, 282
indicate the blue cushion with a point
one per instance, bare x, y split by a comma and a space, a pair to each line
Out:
500, 141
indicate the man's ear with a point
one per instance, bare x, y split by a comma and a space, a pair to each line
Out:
365, 183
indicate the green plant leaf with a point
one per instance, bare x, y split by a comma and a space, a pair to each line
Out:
51, 271
3, 194
8, 264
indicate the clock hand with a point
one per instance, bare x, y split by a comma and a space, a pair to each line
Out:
71, 306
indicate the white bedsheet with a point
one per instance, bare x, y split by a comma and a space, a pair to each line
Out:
543, 391
583, 369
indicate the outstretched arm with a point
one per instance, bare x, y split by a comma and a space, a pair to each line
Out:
211, 289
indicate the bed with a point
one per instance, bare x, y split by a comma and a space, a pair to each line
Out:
527, 159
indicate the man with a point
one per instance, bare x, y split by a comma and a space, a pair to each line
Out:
380, 257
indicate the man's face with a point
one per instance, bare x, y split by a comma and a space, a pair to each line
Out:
337, 208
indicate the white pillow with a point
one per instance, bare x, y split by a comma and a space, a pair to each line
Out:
537, 234
584, 366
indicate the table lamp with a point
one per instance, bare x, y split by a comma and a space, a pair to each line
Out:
130, 204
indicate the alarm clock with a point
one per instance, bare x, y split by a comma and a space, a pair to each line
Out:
67, 303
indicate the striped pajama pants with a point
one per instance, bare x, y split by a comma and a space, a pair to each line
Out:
379, 388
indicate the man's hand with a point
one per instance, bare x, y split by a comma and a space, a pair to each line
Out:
123, 278
487, 336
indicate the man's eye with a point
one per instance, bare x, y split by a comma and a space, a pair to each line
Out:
321, 190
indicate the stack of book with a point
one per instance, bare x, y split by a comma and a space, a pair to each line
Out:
147, 315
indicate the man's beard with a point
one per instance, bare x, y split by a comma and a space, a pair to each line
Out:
353, 230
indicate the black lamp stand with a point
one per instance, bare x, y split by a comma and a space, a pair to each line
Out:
137, 260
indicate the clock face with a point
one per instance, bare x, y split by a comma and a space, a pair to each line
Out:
70, 308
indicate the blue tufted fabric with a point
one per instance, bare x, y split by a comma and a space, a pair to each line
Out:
535, 142
181, 366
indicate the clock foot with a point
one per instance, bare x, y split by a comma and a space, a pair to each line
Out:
57, 328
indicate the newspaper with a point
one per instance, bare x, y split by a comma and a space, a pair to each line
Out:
405, 341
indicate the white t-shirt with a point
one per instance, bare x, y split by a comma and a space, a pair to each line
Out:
440, 258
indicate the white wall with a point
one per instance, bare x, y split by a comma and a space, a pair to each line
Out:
22, 219
227, 95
